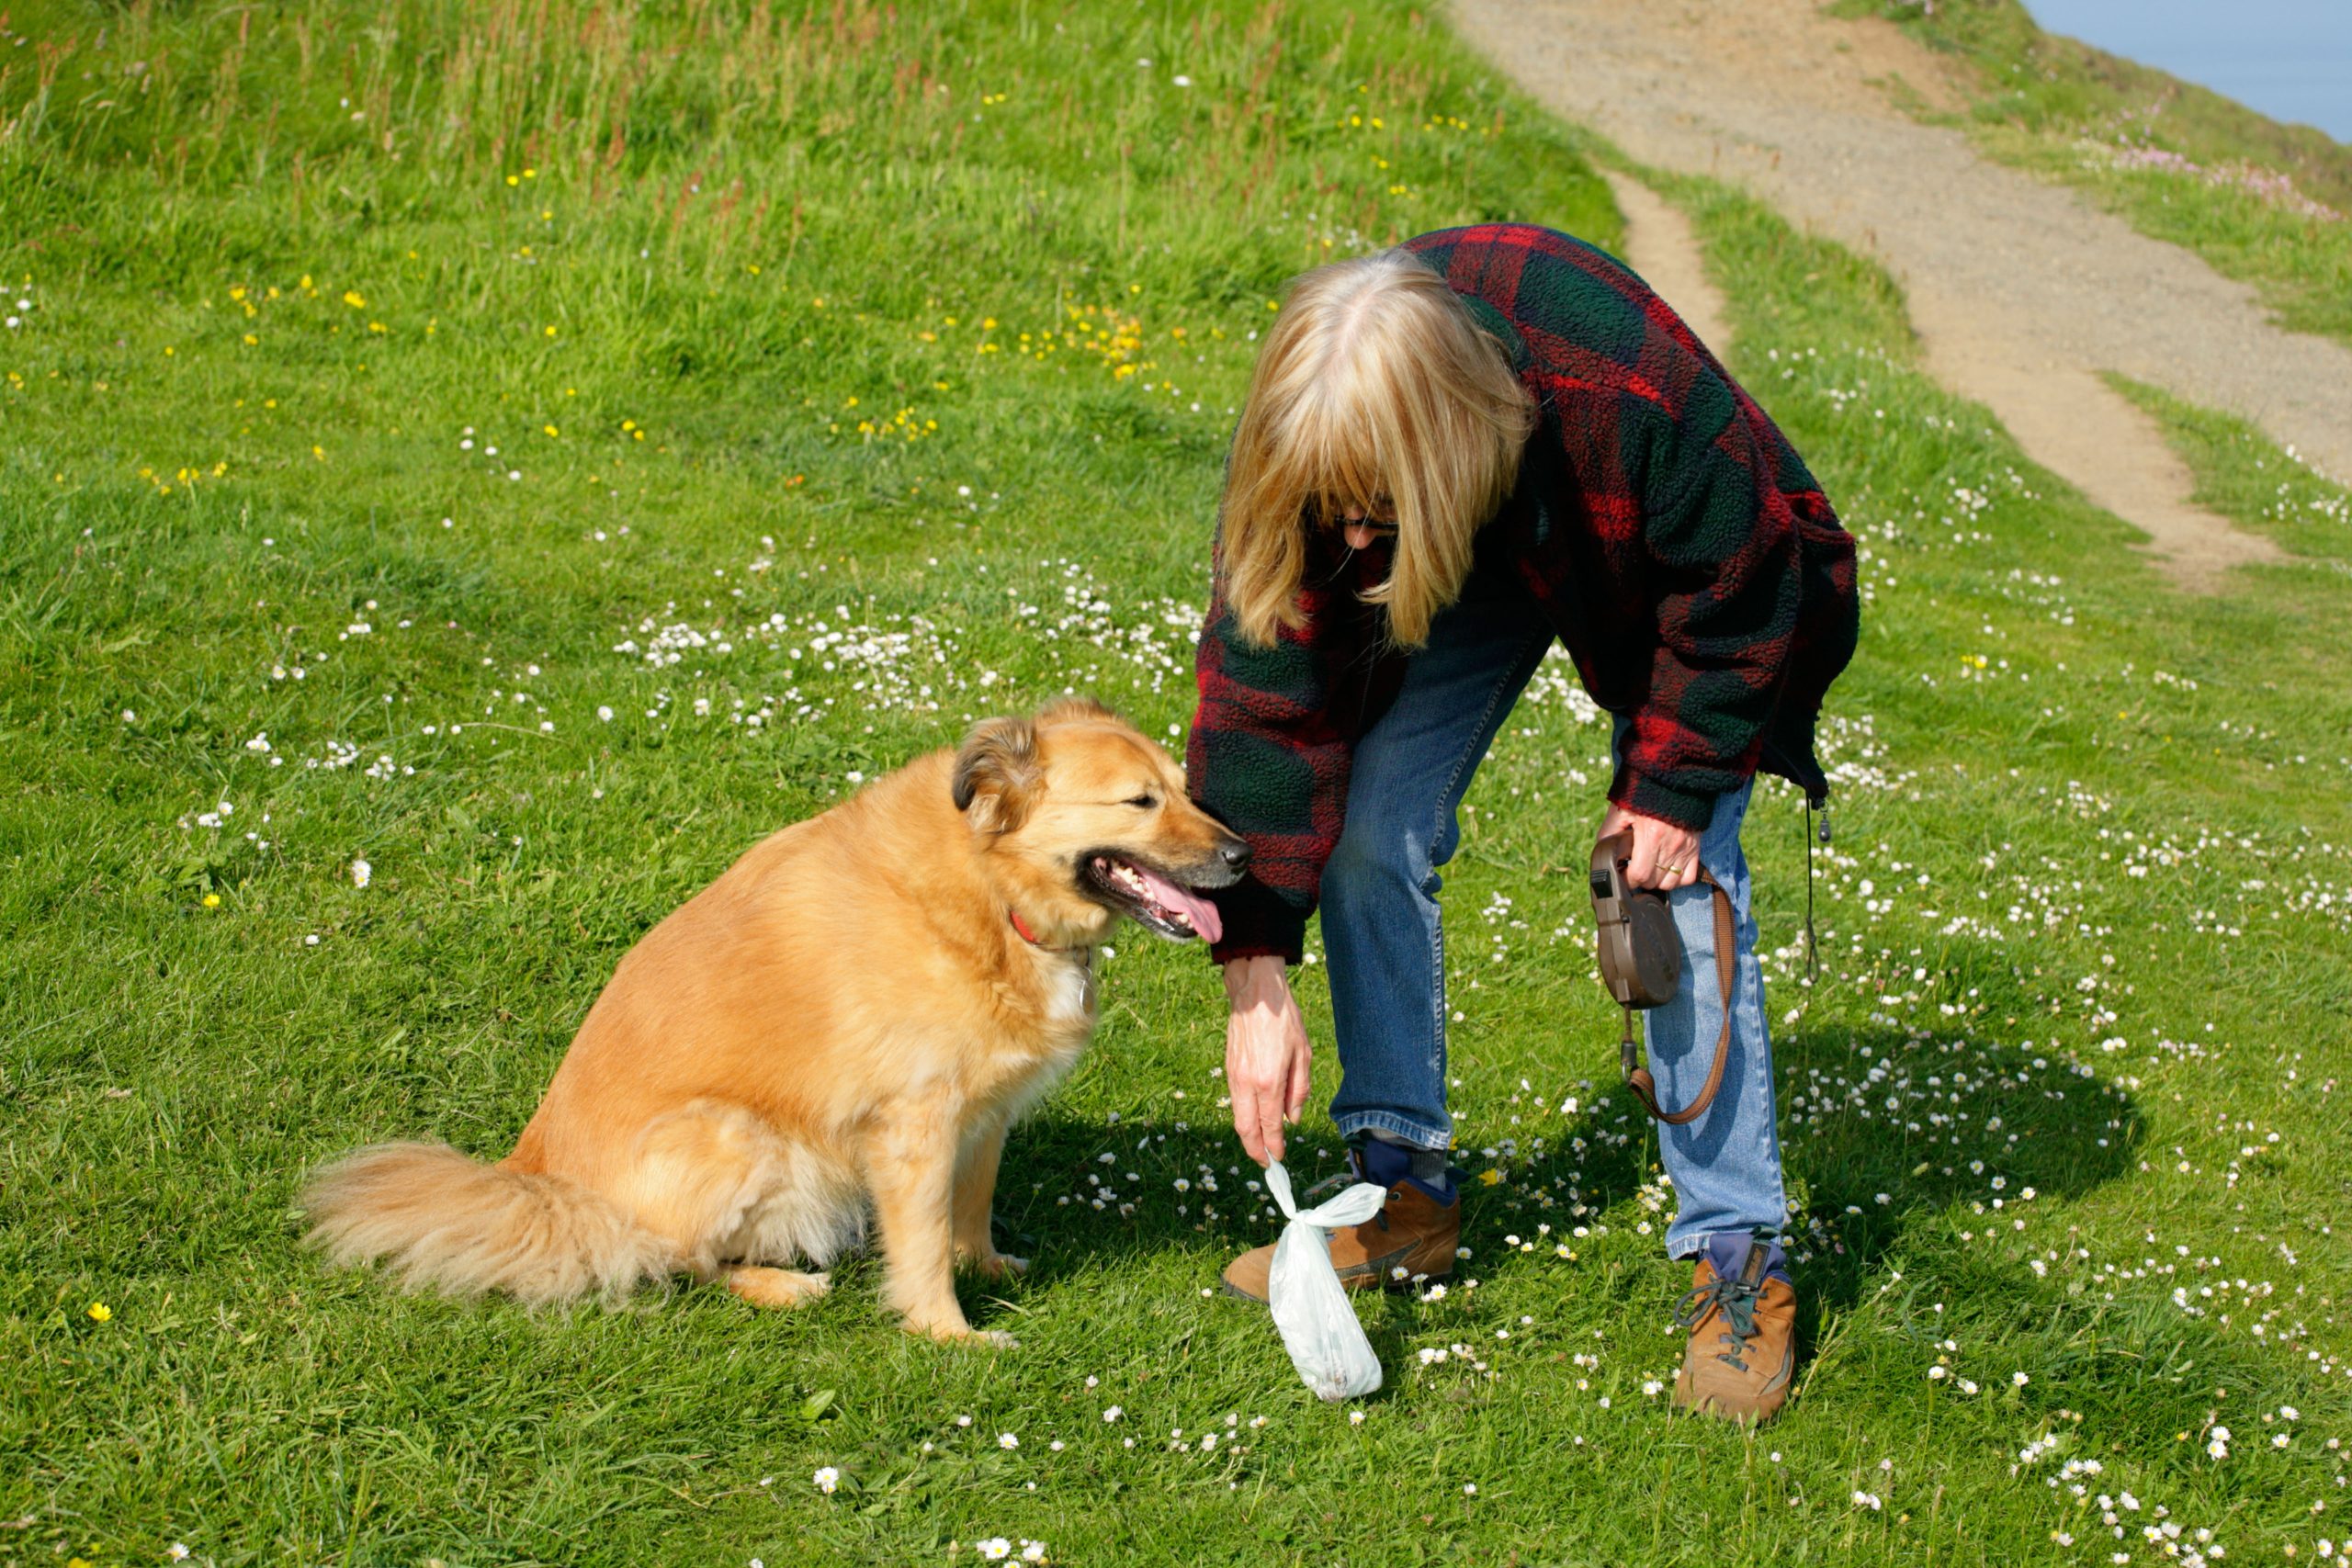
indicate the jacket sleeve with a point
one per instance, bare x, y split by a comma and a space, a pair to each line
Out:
1722, 569
1270, 751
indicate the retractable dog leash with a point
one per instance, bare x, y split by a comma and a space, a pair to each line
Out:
1641, 963
1641, 954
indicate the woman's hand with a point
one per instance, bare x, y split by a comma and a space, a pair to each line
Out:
1267, 1059
1665, 857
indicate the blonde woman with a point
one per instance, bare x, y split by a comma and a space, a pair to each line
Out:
1453, 455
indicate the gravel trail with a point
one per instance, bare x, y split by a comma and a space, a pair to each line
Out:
2022, 293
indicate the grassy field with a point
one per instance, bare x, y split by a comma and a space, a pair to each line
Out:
2268, 203
536, 450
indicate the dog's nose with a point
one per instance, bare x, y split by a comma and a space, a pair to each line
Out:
1236, 855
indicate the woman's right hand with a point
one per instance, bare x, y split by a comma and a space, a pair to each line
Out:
1267, 1059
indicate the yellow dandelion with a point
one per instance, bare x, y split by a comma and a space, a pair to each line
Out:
100, 1311
353, 298
212, 900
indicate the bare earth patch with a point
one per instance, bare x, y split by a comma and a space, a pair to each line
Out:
1661, 247
2023, 294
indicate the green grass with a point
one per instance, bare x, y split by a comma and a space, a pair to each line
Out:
2241, 474
2091, 873
2268, 203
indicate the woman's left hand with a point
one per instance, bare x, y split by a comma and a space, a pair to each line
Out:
1665, 857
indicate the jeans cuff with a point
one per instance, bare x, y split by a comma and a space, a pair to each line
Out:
1683, 1245
1682, 1249
1419, 1135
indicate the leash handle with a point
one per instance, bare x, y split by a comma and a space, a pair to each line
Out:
1638, 1078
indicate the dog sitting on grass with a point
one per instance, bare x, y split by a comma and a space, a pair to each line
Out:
844, 1022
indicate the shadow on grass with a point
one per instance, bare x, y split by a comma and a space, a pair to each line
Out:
1883, 1133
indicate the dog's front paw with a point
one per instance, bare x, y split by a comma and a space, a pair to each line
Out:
964, 1334
1000, 1266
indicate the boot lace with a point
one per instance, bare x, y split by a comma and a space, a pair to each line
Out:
1734, 1295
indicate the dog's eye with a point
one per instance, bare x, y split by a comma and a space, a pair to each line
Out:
1144, 801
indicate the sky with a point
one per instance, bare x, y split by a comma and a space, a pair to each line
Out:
2290, 59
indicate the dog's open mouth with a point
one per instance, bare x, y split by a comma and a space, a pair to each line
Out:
1151, 899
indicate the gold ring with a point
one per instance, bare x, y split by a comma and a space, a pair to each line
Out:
1669, 865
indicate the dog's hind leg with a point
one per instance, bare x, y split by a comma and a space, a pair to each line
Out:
976, 1168
732, 1196
765, 1287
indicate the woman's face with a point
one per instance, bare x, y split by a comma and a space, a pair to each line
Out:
1360, 526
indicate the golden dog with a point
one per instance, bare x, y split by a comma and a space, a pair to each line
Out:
847, 1020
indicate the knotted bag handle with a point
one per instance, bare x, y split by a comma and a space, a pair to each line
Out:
1611, 857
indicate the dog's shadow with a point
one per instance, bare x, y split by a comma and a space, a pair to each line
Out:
1978, 1132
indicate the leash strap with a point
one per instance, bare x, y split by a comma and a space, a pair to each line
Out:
1812, 946
1637, 1078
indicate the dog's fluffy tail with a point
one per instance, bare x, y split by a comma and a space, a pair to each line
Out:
439, 1220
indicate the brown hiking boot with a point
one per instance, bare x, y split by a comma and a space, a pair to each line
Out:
1413, 1237
1743, 1329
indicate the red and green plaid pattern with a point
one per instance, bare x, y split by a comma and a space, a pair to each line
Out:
1695, 573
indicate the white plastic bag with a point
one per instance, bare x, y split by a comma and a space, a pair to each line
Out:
1318, 1323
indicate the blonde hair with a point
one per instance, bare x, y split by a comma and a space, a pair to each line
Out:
1375, 384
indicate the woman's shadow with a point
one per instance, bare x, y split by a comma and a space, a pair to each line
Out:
1882, 1130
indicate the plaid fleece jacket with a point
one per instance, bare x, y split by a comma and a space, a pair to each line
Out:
1695, 572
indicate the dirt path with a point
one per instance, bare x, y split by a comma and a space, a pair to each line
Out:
1661, 247
2022, 293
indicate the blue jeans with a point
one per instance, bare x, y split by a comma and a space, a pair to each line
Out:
1384, 943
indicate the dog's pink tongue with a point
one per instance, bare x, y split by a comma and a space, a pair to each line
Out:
1199, 910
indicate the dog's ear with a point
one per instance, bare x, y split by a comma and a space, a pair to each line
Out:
1070, 710
996, 774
